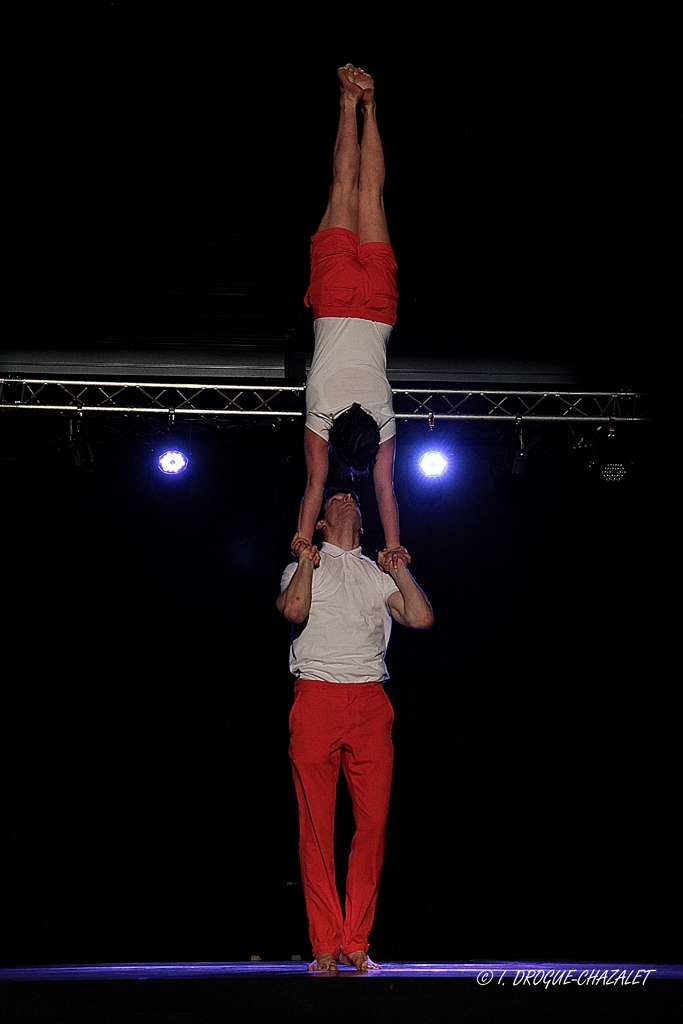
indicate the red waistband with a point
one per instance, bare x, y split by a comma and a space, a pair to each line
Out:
324, 684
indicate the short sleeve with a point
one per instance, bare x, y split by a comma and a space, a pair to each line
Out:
385, 582
388, 585
319, 424
387, 429
287, 576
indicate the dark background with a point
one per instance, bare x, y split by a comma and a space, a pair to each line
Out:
168, 166
167, 171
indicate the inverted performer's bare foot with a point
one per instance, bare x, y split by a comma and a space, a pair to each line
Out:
364, 81
358, 959
323, 962
347, 79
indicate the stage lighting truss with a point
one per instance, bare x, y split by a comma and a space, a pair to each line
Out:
530, 406
213, 401
204, 400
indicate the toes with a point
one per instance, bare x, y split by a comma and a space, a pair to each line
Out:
323, 962
360, 960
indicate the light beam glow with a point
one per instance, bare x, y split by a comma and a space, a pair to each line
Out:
433, 464
172, 463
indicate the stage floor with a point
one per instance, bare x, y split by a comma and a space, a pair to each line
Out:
287, 993
515, 973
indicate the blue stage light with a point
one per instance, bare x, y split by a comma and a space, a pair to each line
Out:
172, 463
433, 464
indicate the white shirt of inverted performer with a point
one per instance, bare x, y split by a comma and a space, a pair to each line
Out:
349, 365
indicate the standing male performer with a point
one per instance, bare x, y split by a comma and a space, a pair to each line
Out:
341, 605
353, 295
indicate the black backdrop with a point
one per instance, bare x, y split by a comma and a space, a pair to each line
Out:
148, 810
528, 190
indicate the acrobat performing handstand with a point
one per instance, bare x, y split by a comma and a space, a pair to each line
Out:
353, 296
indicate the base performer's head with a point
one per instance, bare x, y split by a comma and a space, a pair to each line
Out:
340, 508
354, 435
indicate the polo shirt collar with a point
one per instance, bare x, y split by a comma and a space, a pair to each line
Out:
335, 552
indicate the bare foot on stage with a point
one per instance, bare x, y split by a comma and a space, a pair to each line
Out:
347, 78
323, 962
359, 959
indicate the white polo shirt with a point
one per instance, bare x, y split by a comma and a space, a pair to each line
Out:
349, 365
345, 637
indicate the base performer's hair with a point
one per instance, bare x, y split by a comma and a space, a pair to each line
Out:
354, 435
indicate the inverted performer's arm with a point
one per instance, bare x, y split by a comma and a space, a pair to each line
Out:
383, 477
317, 465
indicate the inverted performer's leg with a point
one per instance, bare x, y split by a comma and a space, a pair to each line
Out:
372, 222
342, 207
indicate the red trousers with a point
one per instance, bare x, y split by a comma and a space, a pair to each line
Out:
348, 723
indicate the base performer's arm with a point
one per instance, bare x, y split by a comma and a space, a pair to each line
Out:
410, 606
295, 600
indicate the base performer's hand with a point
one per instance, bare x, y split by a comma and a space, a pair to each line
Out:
392, 558
298, 545
309, 552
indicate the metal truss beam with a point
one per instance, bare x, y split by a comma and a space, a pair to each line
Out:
209, 401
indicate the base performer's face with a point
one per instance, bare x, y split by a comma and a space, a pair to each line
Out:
341, 509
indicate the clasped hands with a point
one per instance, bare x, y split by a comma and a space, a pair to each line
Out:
301, 546
387, 559
393, 558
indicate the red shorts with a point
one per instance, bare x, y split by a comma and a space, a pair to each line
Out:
350, 279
